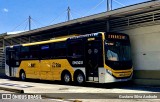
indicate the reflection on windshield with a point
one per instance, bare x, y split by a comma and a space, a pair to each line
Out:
118, 51
112, 55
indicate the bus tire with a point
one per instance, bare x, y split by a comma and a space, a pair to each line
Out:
22, 75
79, 78
66, 77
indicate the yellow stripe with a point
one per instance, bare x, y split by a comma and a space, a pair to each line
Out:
118, 73
56, 39
45, 42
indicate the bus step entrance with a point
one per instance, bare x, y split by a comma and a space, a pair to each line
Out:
92, 81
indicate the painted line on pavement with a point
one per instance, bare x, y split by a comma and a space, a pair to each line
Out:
12, 89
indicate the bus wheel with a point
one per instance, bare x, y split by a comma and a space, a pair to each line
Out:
66, 78
79, 78
22, 75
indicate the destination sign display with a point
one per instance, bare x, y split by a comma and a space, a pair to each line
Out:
113, 36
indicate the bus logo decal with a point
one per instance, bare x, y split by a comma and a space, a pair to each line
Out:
31, 65
56, 65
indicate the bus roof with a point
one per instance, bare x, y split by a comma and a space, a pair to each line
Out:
59, 39
62, 38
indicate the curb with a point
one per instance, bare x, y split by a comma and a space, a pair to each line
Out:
12, 90
45, 96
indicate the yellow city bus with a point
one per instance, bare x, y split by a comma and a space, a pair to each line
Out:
98, 57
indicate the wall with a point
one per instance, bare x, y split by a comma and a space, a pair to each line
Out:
145, 42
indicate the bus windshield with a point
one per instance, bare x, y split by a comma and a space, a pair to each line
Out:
117, 51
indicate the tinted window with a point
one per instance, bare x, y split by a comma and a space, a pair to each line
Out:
12, 56
45, 51
76, 49
59, 49
34, 52
24, 52
7, 55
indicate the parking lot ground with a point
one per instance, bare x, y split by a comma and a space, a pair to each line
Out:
90, 92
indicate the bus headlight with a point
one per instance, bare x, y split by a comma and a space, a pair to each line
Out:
110, 72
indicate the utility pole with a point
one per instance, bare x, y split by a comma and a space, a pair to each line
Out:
29, 19
68, 13
109, 5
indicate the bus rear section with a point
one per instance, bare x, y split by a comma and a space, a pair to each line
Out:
97, 57
11, 61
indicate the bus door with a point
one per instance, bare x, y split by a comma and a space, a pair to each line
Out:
12, 62
92, 60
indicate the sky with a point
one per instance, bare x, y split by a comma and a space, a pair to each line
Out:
14, 13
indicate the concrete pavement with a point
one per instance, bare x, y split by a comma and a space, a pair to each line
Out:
37, 86
90, 91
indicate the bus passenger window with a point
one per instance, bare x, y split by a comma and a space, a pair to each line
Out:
34, 52
45, 51
59, 49
24, 53
75, 49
